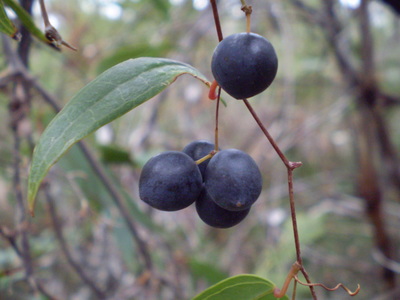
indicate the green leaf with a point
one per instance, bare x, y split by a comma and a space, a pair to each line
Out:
205, 270
109, 96
133, 51
243, 287
113, 154
27, 21
6, 25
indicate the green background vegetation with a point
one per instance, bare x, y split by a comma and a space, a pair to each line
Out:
317, 115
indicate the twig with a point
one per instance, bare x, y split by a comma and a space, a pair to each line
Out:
216, 131
119, 202
17, 109
11, 239
247, 9
216, 19
290, 166
339, 285
65, 249
50, 32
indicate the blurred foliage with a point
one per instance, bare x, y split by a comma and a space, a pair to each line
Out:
308, 109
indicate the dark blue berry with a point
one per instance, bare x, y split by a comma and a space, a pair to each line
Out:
244, 64
170, 181
233, 180
214, 215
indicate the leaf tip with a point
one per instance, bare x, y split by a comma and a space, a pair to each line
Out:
32, 212
31, 203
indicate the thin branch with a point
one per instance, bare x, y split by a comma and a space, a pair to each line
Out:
290, 166
11, 240
216, 19
339, 285
51, 33
44, 14
98, 169
66, 251
119, 202
216, 131
16, 108
247, 9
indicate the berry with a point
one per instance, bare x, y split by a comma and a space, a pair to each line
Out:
214, 215
244, 64
199, 149
170, 181
233, 180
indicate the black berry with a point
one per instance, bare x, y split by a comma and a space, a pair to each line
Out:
199, 149
214, 215
244, 64
233, 180
170, 181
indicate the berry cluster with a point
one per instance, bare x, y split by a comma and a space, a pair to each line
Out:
224, 187
227, 183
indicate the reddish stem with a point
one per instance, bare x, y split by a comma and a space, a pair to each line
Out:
290, 166
212, 93
216, 119
216, 19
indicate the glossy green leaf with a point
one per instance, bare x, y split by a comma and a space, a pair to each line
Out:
109, 96
243, 287
6, 25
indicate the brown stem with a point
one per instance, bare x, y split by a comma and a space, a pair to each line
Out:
290, 166
216, 19
340, 285
279, 293
44, 14
216, 142
266, 133
118, 201
65, 249
51, 33
18, 108
247, 9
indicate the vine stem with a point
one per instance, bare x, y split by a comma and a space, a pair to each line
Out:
216, 143
247, 9
290, 166
216, 19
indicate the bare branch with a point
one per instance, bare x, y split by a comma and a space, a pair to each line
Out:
66, 251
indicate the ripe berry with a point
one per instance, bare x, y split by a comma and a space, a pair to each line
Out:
233, 180
214, 215
244, 64
170, 181
199, 149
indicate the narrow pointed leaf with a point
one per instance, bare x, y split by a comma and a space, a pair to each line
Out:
27, 20
109, 96
243, 287
6, 25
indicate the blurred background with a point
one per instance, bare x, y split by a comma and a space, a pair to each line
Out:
334, 106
